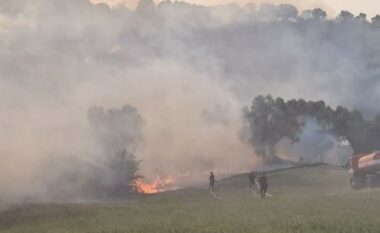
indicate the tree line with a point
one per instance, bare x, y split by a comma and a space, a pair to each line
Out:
269, 120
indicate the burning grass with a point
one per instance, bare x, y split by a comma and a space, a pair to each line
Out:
305, 200
158, 185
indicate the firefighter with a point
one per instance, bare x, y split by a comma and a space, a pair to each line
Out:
263, 182
212, 182
251, 178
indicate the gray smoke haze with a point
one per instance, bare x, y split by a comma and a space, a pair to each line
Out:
174, 63
315, 145
116, 129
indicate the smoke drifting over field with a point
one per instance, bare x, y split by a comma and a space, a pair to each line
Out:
186, 70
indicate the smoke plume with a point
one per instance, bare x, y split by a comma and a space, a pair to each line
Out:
175, 63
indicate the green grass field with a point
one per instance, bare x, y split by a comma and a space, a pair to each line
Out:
316, 199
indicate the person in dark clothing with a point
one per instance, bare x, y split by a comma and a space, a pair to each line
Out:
251, 178
212, 182
263, 182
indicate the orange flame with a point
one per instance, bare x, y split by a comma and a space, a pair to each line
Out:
156, 186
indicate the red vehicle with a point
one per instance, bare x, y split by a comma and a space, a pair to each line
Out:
365, 170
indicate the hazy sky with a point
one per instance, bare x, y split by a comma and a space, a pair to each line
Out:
371, 7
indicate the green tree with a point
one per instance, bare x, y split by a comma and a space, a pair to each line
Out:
121, 172
268, 121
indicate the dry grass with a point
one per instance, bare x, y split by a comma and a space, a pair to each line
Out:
305, 200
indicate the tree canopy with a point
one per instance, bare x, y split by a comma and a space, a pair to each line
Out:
269, 120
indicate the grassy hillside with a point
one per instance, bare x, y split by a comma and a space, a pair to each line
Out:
316, 199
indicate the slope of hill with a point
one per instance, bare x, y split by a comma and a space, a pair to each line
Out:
314, 199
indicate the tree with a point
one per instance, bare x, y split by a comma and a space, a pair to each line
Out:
268, 121
121, 172
287, 11
345, 16
316, 14
306, 15
376, 20
115, 128
319, 14
111, 177
362, 17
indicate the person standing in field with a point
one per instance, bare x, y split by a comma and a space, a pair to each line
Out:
263, 182
251, 178
212, 182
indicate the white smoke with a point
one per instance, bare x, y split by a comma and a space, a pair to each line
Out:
173, 62
315, 146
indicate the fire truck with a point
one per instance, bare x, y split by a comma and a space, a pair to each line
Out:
365, 170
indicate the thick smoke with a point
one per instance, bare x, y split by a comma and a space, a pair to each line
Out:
107, 173
315, 146
174, 62
116, 129
269, 121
